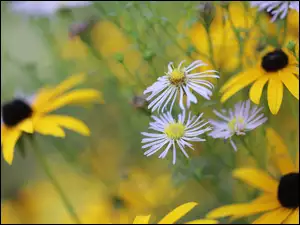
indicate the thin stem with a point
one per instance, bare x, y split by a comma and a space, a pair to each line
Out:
211, 49
245, 145
239, 39
55, 183
285, 26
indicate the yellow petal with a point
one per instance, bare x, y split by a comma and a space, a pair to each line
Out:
9, 144
3, 132
263, 199
257, 88
178, 213
46, 94
275, 94
26, 126
246, 79
242, 210
238, 78
274, 217
297, 161
293, 218
257, 179
204, 221
47, 127
69, 123
74, 97
291, 82
279, 151
141, 220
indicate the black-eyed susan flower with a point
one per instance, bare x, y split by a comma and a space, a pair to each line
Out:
276, 8
175, 215
33, 115
278, 67
179, 82
237, 121
279, 201
172, 134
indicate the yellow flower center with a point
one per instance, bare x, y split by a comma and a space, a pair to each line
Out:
236, 124
175, 130
177, 77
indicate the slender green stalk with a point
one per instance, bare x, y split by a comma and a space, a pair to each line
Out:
239, 39
41, 158
285, 27
245, 145
211, 49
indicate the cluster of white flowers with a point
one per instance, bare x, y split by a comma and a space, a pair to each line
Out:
177, 82
171, 134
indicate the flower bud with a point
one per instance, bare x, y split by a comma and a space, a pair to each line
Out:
82, 29
119, 57
148, 55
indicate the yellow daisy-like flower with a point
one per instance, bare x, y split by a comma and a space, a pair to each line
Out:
276, 66
223, 39
279, 202
175, 215
32, 115
137, 193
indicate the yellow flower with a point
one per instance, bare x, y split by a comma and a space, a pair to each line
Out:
175, 215
279, 202
138, 192
276, 66
29, 116
223, 39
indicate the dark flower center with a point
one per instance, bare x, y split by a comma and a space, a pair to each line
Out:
15, 112
288, 191
274, 61
118, 202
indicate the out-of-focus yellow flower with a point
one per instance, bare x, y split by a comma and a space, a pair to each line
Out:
110, 45
137, 193
276, 66
224, 45
29, 116
39, 203
74, 49
115, 42
279, 202
293, 23
8, 215
175, 215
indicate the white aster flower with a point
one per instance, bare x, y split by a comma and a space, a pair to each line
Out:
179, 82
171, 134
237, 122
295, 5
45, 8
276, 8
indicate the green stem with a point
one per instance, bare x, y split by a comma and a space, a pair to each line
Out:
245, 145
56, 185
239, 39
211, 49
285, 24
